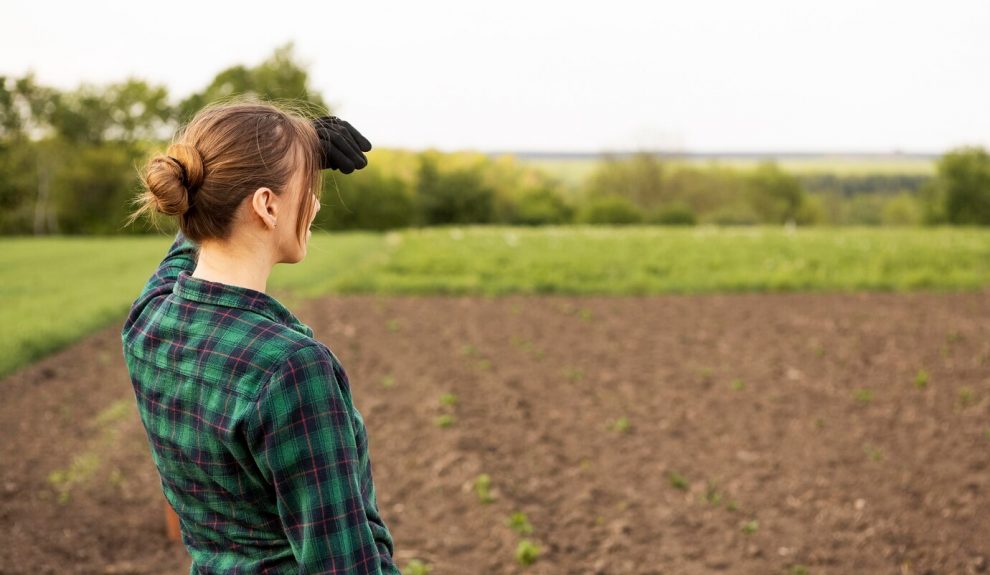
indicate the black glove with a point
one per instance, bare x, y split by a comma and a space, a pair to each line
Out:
341, 146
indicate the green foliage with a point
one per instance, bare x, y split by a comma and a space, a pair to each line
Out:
519, 523
279, 77
456, 197
677, 481
417, 567
964, 179
775, 196
674, 215
921, 379
368, 199
612, 209
482, 488
538, 206
527, 552
751, 527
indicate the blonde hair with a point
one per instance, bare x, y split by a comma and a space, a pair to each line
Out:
228, 150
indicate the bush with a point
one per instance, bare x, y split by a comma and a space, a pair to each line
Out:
609, 210
964, 177
457, 197
538, 206
368, 200
674, 215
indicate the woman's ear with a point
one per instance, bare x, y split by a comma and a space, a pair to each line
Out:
265, 205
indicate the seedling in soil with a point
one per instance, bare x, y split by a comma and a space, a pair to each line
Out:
966, 397
819, 423
737, 385
468, 350
444, 421
677, 481
482, 486
873, 453
393, 325
586, 463
798, 570
819, 351
417, 567
732, 505
527, 552
712, 495
988, 433
706, 373
751, 527
448, 399
388, 381
585, 314
519, 523
620, 425
575, 374
921, 379
82, 468
863, 395
484, 364
954, 337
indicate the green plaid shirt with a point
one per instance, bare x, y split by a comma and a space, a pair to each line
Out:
259, 447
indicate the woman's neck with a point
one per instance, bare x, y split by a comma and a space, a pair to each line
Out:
233, 264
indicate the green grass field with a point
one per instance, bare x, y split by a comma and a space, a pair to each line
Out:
56, 290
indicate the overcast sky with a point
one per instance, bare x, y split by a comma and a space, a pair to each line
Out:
698, 75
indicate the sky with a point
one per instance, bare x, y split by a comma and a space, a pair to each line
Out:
687, 76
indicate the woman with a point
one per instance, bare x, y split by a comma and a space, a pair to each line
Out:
250, 420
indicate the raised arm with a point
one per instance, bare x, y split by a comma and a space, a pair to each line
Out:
181, 255
303, 440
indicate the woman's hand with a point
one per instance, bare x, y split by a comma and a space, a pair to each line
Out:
341, 146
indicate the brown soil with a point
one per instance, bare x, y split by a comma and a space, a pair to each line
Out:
794, 420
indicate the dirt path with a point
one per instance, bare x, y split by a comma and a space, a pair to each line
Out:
765, 433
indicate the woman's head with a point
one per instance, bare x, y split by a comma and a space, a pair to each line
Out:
236, 167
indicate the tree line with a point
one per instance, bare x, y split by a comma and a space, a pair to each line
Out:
69, 161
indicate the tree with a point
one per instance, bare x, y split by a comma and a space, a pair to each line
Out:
775, 195
963, 181
279, 77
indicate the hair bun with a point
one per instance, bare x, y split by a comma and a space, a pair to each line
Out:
174, 177
191, 163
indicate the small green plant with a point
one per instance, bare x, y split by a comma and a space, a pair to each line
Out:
954, 337
388, 381
585, 314
712, 495
519, 523
448, 399
863, 396
732, 505
872, 452
921, 379
82, 468
468, 350
620, 425
819, 351
751, 527
677, 481
967, 397
417, 567
706, 373
444, 421
988, 433
527, 552
482, 486
819, 423
737, 385
798, 570
484, 364
393, 325
575, 374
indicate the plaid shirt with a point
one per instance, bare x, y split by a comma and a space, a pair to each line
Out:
259, 447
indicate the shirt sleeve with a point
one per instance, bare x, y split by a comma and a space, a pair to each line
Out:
304, 443
181, 255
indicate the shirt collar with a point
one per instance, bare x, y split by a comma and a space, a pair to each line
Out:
205, 291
